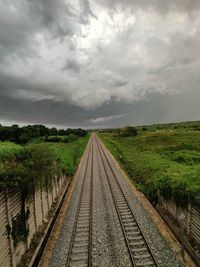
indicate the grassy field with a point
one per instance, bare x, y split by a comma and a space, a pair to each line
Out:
68, 155
21, 164
165, 159
9, 150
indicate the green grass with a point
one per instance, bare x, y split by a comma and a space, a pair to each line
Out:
9, 149
189, 125
68, 155
161, 160
21, 165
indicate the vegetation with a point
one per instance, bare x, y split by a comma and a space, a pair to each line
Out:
65, 139
38, 161
9, 150
126, 131
67, 155
38, 155
162, 157
23, 135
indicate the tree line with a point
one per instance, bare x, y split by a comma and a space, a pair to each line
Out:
22, 135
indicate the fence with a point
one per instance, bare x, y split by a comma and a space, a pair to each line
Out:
191, 222
37, 206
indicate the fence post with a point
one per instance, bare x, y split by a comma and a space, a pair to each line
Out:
55, 184
47, 193
181, 222
9, 220
41, 200
189, 218
176, 210
34, 209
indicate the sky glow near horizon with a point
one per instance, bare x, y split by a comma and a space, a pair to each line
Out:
99, 63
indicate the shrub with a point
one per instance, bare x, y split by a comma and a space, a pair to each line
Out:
128, 131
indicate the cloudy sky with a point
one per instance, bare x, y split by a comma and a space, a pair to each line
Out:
99, 63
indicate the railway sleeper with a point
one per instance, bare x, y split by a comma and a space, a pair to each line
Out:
83, 220
79, 250
75, 264
82, 230
125, 217
140, 250
83, 216
146, 264
81, 239
130, 228
83, 209
80, 245
82, 225
134, 238
122, 207
81, 234
143, 256
79, 257
131, 223
139, 243
120, 200
125, 212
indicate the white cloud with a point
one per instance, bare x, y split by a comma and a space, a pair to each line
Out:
106, 119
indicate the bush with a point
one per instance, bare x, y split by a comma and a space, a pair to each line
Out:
128, 131
36, 165
53, 139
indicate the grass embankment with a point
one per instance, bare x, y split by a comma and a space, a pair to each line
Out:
20, 166
166, 160
67, 155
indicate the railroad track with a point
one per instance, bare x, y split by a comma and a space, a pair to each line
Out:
137, 245
80, 249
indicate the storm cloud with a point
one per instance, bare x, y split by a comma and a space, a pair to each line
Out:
99, 63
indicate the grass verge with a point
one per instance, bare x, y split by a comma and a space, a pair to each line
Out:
23, 166
167, 161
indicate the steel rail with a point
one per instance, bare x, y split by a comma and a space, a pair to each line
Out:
68, 261
101, 150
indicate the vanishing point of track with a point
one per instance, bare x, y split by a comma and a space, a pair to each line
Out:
80, 249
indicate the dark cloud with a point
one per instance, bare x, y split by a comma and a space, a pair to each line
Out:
16, 32
72, 65
128, 62
53, 15
154, 109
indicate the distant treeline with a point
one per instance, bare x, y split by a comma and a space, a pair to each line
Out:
22, 135
125, 131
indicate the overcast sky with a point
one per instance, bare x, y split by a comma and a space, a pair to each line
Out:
99, 63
